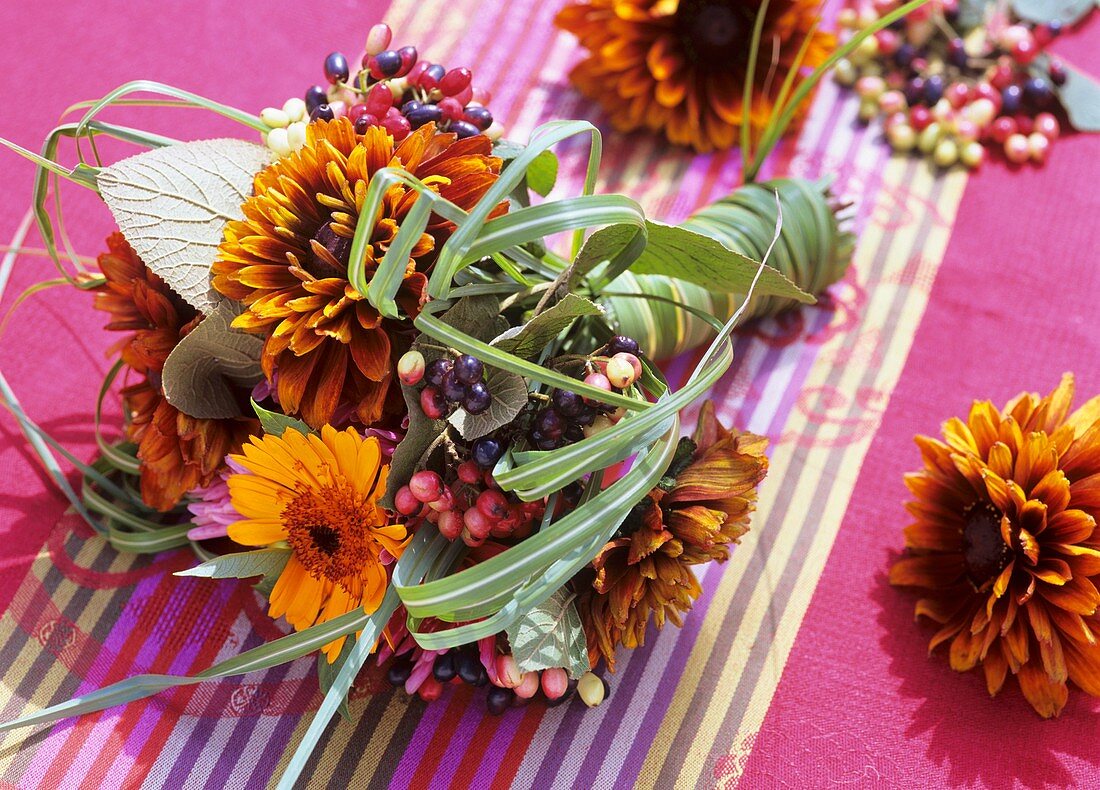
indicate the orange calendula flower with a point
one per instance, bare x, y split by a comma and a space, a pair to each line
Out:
1004, 543
320, 495
691, 518
287, 261
177, 452
679, 66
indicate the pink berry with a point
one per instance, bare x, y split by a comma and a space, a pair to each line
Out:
1002, 128
469, 539
528, 686
413, 76
410, 368
445, 502
451, 108
465, 95
426, 486
1047, 125
454, 81
378, 39
432, 403
920, 117
554, 682
1038, 147
957, 94
469, 472
1025, 124
450, 524
892, 102
357, 111
597, 380
1003, 75
966, 130
397, 126
888, 41
983, 90
508, 672
379, 100
1016, 149
493, 504
482, 96
477, 523
1025, 50
405, 502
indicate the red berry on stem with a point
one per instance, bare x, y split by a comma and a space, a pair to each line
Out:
445, 503
469, 472
426, 486
408, 60
451, 108
477, 523
920, 117
455, 81
493, 504
417, 70
450, 524
1002, 128
405, 502
430, 690
1047, 125
357, 111
432, 403
379, 100
1025, 50
398, 126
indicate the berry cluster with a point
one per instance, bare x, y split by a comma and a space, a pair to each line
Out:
450, 382
567, 417
508, 687
944, 92
472, 507
393, 89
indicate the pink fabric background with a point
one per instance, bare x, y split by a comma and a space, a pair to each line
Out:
1012, 308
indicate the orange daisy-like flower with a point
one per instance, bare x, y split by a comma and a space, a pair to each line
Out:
679, 66
320, 495
691, 518
1005, 543
287, 261
177, 452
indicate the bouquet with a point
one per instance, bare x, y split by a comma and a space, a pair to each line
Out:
371, 364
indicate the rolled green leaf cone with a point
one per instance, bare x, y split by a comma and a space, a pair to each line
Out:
813, 252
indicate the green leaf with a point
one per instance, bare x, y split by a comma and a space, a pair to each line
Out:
686, 255
1080, 98
1068, 12
268, 563
509, 397
533, 337
550, 635
276, 424
327, 674
200, 374
542, 173
172, 204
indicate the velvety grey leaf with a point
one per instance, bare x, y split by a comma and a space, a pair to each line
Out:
550, 635
200, 373
533, 336
1067, 12
509, 393
172, 204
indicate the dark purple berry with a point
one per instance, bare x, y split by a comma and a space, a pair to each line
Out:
470, 669
621, 344
1057, 72
1037, 92
362, 123
322, 112
914, 91
479, 117
566, 403
336, 67
453, 389
315, 97
498, 700
462, 129
585, 417
1011, 99
477, 399
444, 669
431, 77
422, 115
905, 53
408, 60
573, 433
550, 424
933, 89
956, 53
399, 671
468, 369
1054, 27
412, 105
385, 64
486, 452
436, 370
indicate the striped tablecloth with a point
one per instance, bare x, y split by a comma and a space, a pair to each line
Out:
798, 667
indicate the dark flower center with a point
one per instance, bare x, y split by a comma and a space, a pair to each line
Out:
329, 254
984, 550
714, 31
325, 538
